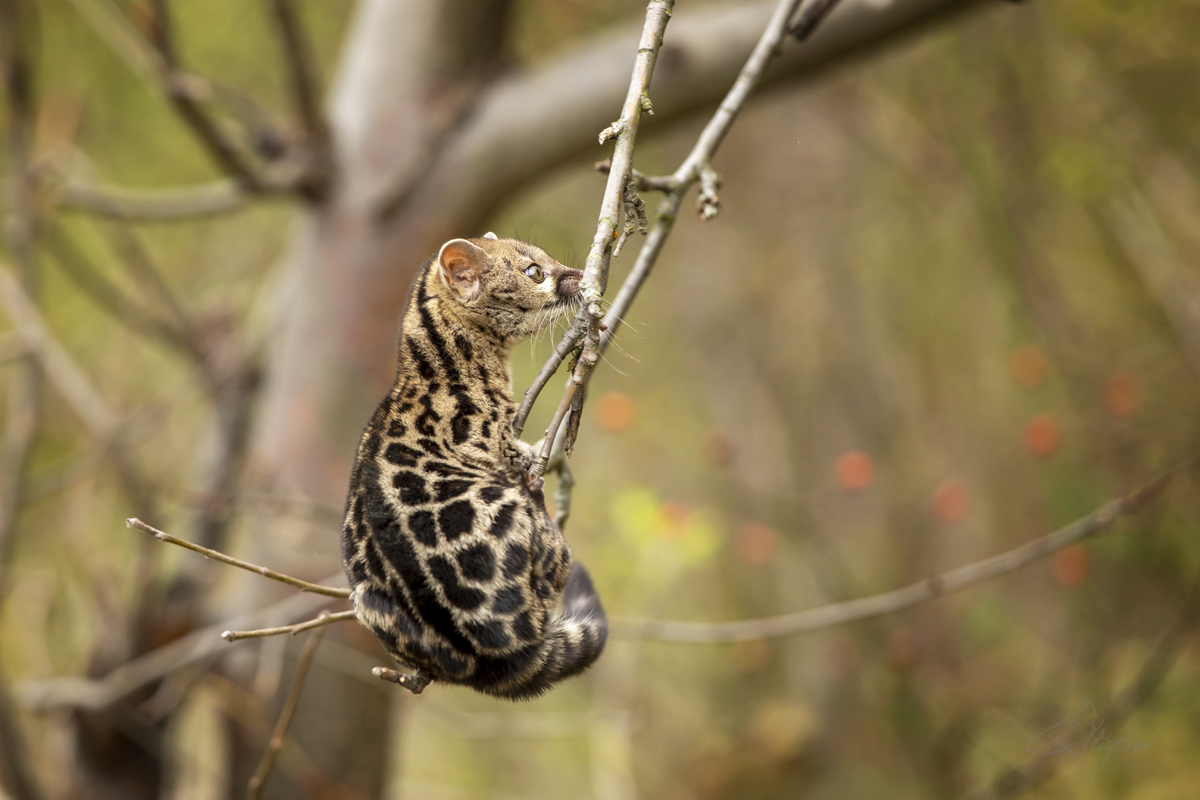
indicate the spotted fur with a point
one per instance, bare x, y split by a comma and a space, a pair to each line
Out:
453, 562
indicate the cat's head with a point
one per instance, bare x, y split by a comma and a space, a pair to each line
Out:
510, 287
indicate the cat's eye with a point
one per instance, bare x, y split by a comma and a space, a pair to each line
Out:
535, 273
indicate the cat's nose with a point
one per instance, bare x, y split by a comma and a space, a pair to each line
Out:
568, 283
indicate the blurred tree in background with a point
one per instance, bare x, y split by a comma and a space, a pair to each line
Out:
951, 304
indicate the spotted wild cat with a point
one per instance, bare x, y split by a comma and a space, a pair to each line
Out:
452, 559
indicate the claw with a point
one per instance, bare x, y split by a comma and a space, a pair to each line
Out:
414, 683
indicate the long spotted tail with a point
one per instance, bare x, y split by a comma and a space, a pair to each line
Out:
574, 641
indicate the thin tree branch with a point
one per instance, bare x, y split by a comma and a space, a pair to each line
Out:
811, 15
59, 366
141, 267
643, 183
304, 586
565, 345
25, 387
116, 31
324, 618
159, 64
112, 299
533, 120
695, 167
22, 418
153, 205
100, 693
913, 594
76, 387
254, 789
301, 73
1015, 782
595, 270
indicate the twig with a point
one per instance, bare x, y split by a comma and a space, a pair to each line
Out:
141, 267
911, 595
112, 299
152, 205
301, 75
695, 167
304, 586
100, 693
254, 790
810, 16
23, 416
325, 618
595, 271
643, 183
115, 29
565, 345
62, 370
73, 383
159, 64
1014, 782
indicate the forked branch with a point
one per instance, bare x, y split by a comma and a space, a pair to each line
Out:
595, 270
696, 167
323, 619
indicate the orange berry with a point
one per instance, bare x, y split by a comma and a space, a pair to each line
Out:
674, 518
751, 655
1122, 395
755, 543
902, 651
854, 471
1042, 435
616, 411
1028, 366
718, 448
1071, 565
951, 501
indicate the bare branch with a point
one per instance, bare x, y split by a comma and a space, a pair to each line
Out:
62, 370
153, 205
810, 16
141, 268
159, 65
112, 299
1013, 782
1172, 282
115, 29
643, 183
301, 74
695, 167
100, 693
324, 618
565, 345
254, 790
912, 595
304, 586
595, 270
23, 407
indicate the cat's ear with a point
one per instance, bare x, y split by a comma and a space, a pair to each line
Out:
460, 264
490, 235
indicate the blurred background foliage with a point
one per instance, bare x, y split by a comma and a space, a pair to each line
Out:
949, 306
